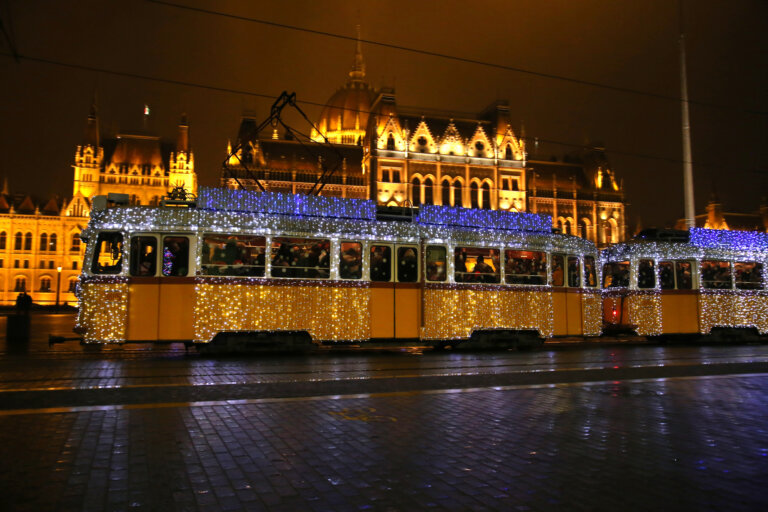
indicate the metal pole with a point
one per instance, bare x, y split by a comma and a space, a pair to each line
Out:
687, 160
58, 287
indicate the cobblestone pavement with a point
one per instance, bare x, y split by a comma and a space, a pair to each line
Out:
677, 444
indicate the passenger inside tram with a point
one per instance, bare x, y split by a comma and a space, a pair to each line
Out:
616, 274
351, 261
381, 267
476, 265
525, 267
300, 258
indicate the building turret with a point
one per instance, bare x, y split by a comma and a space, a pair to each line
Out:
88, 158
182, 162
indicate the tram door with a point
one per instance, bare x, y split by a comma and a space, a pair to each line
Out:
144, 288
395, 295
567, 295
176, 301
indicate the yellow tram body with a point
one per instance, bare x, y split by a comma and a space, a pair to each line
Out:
446, 297
687, 283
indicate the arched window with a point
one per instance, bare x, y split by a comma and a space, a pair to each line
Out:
614, 231
43, 242
568, 226
391, 142
458, 193
2, 240
17, 242
415, 191
45, 284
474, 195
28, 242
584, 228
428, 186
52, 244
508, 153
72, 285
21, 284
445, 190
75, 242
486, 191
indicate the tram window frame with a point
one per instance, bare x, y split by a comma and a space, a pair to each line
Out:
347, 265
589, 271
614, 283
752, 284
141, 264
176, 269
401, 252
680, 269
436, 269
529, 279
558, 278
715, 283
117, 255
249, 264
472, 277
574, 273
643, 275
314, 272
384, 275
664, 282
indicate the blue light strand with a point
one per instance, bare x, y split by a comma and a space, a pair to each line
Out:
753, 241
285, 204
486, 219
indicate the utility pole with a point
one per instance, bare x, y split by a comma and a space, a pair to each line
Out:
686, 123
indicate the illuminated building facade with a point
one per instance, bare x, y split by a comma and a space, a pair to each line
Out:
717, 218
40, 248
401, 157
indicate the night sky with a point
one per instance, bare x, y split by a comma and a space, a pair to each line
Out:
624, 44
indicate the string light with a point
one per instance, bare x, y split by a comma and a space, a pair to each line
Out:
103, 313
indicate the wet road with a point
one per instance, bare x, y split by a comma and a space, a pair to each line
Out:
570, 427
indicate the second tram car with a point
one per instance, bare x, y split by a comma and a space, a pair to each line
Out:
261, 266
688, 284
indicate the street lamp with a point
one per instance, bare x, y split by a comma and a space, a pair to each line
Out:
58, 287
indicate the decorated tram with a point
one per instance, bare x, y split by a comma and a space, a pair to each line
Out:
264, 267
688, 284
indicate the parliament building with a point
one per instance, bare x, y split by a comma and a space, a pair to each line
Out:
400, 157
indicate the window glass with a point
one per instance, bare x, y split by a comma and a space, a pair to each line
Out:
525, 267
749, 275
646, 276
574, 278
407, 264
381, 263
232, 255
667, 275
175, 256
558, 274
436, 263
590, 278
476, 265
143, 255
715, 274
683, 275
301, 258
108, 254
351, 260
616, 274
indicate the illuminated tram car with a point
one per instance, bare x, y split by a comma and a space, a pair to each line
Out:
687, 284
243, 266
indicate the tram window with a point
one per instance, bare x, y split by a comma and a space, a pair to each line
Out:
108, 256
749, 275
646, 276
143, 255
558, 274
574, 278
175, 256
716, 274
436, 262
525, 267
232, 255
381, 263
616, 274
407, 264
667, 275
590, 278
476, 265
350, 260
301, 258
683, 275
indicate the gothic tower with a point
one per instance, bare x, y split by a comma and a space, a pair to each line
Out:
182, 162
88, 159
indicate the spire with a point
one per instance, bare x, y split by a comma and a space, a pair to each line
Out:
358, 68
5, 187
92, 126
182, 141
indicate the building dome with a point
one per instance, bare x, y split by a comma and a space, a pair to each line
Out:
344, 117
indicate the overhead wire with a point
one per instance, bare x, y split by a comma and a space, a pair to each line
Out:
229, 90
